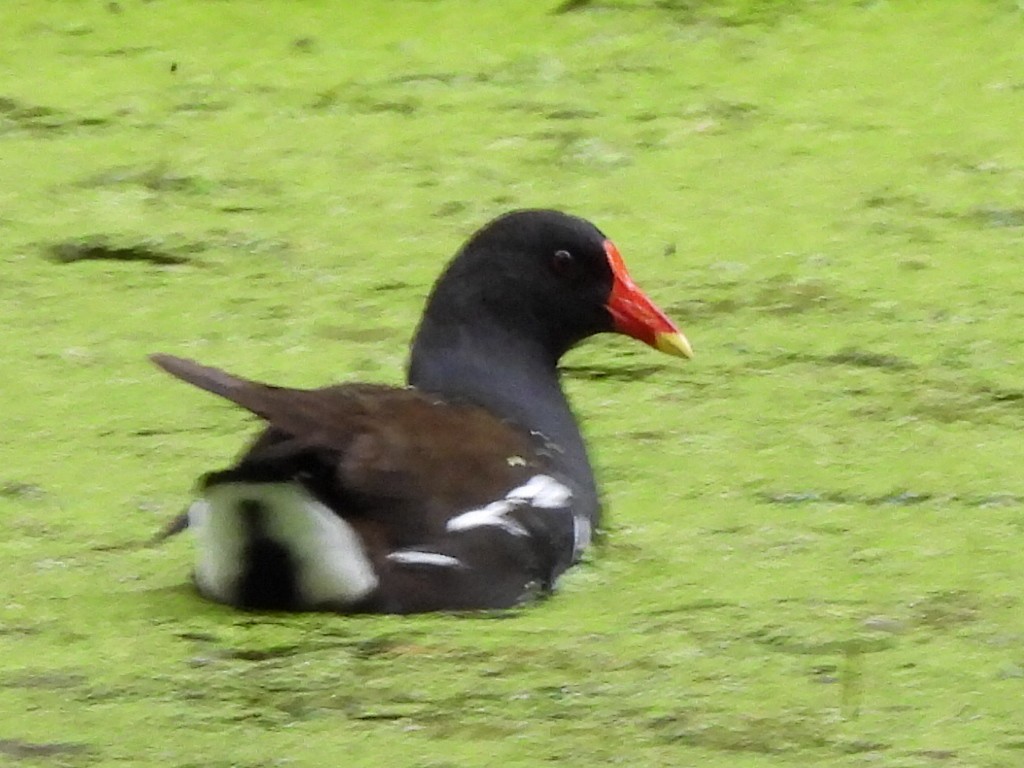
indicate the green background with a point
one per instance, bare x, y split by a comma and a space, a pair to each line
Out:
813, 555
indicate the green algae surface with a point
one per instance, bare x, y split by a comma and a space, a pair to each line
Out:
813, 551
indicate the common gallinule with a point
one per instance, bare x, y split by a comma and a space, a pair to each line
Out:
470, 488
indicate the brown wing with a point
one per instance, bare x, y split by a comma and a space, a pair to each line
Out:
378, 441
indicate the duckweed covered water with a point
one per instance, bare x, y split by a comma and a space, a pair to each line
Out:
813, 552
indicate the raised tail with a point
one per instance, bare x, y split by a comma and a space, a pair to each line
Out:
258, 398
315, 415
203, 376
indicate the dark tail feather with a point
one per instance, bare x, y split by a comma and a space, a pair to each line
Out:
251, 395
172, 528
293, 411
211, 379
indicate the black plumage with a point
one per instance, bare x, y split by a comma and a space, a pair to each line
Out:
470, 488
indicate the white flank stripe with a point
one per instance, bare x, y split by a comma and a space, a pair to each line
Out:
542, 491
416, 557
494, 514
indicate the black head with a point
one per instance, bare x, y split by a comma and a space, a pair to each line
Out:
549, 278
540, 274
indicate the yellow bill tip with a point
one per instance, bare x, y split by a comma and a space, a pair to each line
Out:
673, 344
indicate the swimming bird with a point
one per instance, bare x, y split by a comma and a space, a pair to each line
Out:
471, 487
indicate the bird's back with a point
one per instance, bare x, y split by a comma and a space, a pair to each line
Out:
379, 498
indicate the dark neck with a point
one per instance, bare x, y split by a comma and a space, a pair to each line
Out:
510, 376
